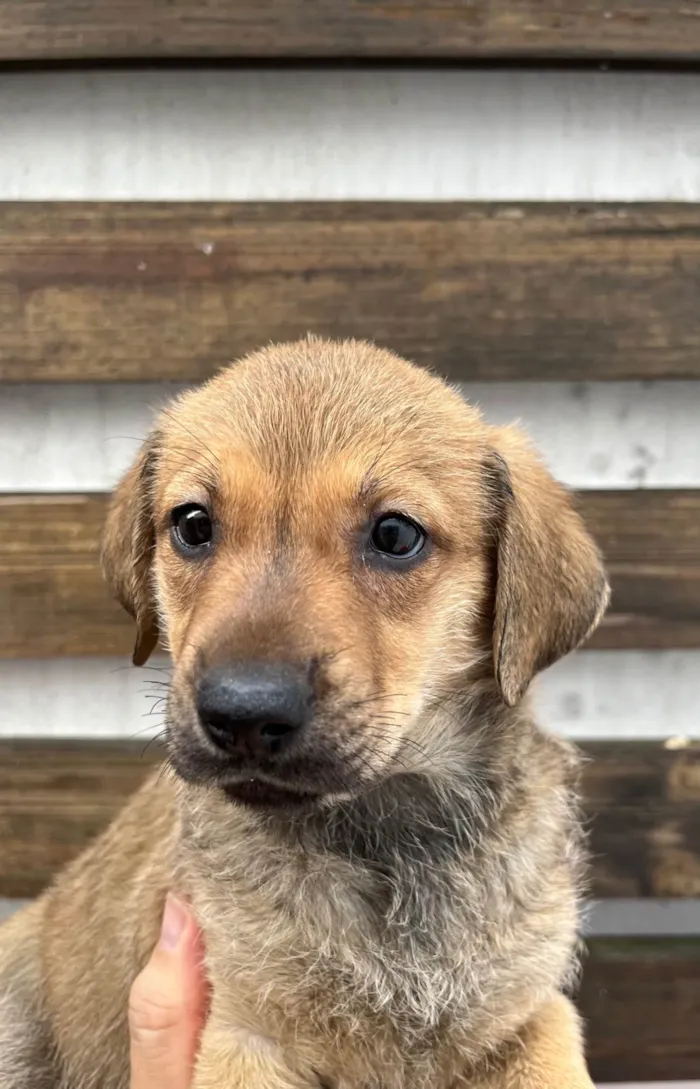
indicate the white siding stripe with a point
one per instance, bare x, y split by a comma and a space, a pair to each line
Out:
611, 695
642, 918
594, 435
603, 695
379, 134
604, 918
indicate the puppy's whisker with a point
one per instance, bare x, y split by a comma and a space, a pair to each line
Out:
331, 655
404, 742
186, 455
388, 753
146, 729
212, 459
377, 697
155, 708
156, 738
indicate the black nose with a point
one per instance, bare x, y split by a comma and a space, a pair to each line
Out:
254, 709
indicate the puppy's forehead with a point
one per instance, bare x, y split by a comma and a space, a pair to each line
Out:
294, 408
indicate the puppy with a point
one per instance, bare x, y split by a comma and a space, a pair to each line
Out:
357, 579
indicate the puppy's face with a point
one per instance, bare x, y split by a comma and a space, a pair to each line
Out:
327, 539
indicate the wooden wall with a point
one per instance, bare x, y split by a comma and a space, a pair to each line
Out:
296, 29
532, 231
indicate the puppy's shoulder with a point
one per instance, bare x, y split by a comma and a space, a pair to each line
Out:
100, 923
24, 1037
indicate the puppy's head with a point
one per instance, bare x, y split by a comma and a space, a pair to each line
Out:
335, 547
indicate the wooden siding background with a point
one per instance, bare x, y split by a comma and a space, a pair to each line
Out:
298, 29
533, 233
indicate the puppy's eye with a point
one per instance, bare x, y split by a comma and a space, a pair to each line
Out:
191, 527
397, 536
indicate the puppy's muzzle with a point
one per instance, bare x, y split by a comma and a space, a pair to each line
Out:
255, 710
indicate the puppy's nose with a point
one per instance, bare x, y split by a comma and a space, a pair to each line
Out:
256, 708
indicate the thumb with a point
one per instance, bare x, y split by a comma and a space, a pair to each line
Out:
167, 1005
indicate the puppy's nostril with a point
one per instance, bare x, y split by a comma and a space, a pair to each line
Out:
275, 730
214, 720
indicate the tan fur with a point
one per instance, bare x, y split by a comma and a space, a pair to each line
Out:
415, 925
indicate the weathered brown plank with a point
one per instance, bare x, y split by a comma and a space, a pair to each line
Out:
57, 796
642, 801
107, 292
641, 1004
464, 29
53, 601
651, 542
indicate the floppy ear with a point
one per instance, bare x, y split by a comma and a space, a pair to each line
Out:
551, 589
127, 548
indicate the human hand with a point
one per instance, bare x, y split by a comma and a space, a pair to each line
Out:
168, 1005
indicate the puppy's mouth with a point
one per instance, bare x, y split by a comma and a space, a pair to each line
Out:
298, 784
261, 794
323, 763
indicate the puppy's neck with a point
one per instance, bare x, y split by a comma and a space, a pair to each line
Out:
409, 820
409, 902
417, 828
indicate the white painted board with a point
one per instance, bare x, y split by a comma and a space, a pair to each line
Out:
441, 134
604, 695
57, 438
604, 918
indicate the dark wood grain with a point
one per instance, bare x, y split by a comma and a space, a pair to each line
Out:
57, 796
651, 543
641, 799
53, 601
642, 802
463, 29
641, 1006
107, 292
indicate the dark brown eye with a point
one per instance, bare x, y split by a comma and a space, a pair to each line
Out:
192, 528
397, 536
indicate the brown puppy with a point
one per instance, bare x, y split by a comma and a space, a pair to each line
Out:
357, 579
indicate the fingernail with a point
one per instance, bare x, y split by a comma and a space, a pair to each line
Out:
174, 922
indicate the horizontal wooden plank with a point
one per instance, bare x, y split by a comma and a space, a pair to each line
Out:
641, 800
641, 1004
465, 29
55, 797
651, 543
53, 601
107, 292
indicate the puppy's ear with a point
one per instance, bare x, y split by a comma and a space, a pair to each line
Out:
551, 589
127, 548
